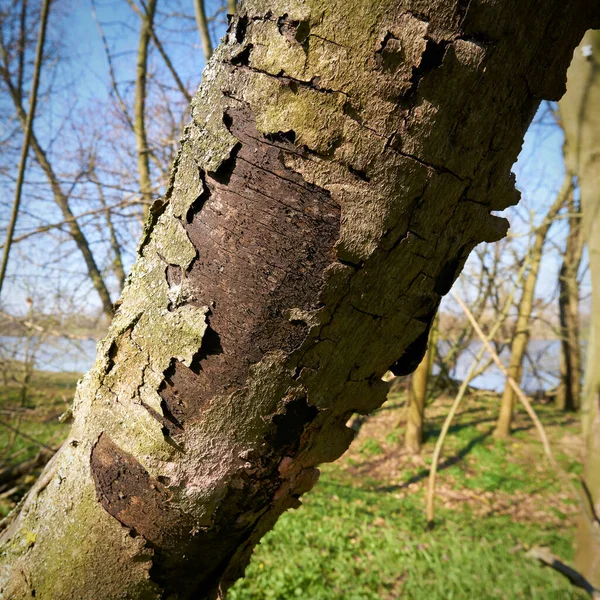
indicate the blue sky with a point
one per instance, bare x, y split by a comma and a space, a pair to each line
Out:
81, 87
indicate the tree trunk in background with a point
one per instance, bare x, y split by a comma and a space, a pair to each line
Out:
144, 14
569, 389
416, 407
139, 125
580, 114
37, 69
342, 162
202, 24
522, 331
417, 396
62, 202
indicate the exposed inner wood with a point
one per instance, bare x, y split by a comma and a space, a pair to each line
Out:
263, 237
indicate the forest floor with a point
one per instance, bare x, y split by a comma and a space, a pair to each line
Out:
361, 533
29, 425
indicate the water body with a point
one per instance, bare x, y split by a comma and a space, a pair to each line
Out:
57, 354
541, 367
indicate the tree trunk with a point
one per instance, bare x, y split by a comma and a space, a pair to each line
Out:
342, 162
520, 339
416, 407
141, 79
202, 24
580, 113
417, 396
145, 14
37, 68
62, 202
569, 389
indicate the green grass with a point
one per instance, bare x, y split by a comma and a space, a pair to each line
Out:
356, 542
361, 533
24, 425
362, 538
371, 447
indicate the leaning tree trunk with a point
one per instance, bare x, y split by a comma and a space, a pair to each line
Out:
342, 161
580, 113
520, 339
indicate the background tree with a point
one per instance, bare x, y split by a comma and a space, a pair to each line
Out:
417, 397
521, 335
571, 371
99, 156
28, 128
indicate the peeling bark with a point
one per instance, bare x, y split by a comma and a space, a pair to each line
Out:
342, 162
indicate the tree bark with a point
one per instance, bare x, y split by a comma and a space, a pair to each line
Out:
342, 162
569, 389
581, 122
520, 339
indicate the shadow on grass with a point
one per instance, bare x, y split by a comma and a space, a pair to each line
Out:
448, 462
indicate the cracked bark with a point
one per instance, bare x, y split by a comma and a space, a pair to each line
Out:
327, 193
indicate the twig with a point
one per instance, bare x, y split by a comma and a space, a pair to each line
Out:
442, 437
10, 492
28, 437
583, 501
9, 474
511, 382
471, 374
50, 226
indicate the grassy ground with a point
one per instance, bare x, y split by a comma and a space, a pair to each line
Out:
27, 424
361, 533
